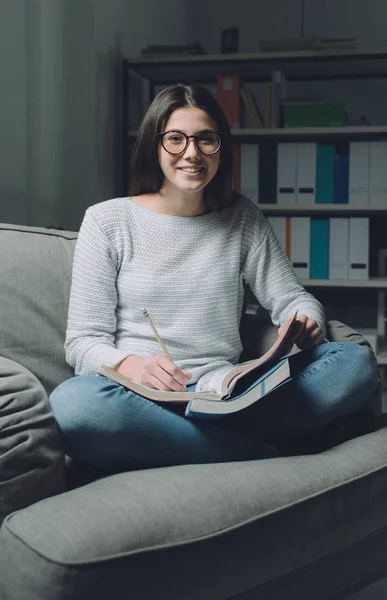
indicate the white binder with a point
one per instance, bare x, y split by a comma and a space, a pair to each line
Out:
306, 173
300, 246
286, 173
279, 226
250, 171
358, 248
338, 248
359, 173
378, 173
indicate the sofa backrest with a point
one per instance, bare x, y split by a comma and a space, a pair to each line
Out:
35, 282
35, 279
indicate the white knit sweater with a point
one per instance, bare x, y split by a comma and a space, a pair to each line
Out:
187, 272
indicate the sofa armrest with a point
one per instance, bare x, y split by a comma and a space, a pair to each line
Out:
31, 451
339, 332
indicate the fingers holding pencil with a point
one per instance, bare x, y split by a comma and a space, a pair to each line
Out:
156, 372
174, 371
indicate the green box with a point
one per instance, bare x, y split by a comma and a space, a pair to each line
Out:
314, 115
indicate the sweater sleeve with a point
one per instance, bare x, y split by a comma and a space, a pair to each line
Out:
273, 280
91, 326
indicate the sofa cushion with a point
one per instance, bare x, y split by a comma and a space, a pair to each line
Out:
212, 531
35, 279
31, 451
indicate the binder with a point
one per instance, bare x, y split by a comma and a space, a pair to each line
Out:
378, 173
358, 248
300, 246
306, 173
359, 173
287, 173
237, 168
325, 174
229, 98
338, 248
279, 226
319, 249
267, 178
250, 171
342, 179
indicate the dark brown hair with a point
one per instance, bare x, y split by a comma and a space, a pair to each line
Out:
146, 175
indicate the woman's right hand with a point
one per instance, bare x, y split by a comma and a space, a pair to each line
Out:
157, 372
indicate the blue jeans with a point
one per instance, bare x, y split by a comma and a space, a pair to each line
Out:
107, 426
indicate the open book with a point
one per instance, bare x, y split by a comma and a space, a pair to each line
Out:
257, 385
227, 382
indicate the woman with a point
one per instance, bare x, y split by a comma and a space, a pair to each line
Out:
182, 245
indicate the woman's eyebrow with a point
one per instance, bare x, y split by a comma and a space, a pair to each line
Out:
197, 133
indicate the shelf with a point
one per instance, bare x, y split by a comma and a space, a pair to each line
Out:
378, 283
296, 66
318, 133
354, 132
315, 209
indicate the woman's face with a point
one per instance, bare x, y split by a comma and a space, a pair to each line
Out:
191, 170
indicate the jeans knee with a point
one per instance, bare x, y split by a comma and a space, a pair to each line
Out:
364, 362
68, 401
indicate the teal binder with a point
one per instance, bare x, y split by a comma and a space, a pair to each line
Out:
319, 249
325, 174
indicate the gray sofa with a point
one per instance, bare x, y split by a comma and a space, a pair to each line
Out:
310, 524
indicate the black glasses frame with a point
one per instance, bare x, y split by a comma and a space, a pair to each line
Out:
187, 139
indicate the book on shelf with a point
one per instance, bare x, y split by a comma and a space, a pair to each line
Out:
233, 386
251, 108
228, 96
277, 95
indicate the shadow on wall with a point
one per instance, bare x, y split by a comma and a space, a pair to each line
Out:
14, 206
109, 119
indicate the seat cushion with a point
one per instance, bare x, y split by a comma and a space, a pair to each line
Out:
35, 278
31, 451
215, 532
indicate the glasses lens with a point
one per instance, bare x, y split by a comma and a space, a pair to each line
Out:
208, 143
174, 142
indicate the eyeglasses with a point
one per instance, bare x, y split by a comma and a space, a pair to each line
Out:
176, 142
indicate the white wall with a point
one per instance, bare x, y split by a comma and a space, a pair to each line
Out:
13, 82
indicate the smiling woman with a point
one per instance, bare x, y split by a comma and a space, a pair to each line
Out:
182, 245
183, 132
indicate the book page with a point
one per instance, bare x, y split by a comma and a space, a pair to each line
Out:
213, 380
281, 347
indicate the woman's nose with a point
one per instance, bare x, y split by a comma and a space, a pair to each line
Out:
191, 149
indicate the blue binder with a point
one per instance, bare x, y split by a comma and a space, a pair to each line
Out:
325, 174
319, 249
342, 179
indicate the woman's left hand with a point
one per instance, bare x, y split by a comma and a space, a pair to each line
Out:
310, 334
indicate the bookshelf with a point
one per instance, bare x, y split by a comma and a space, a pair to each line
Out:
296, 66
